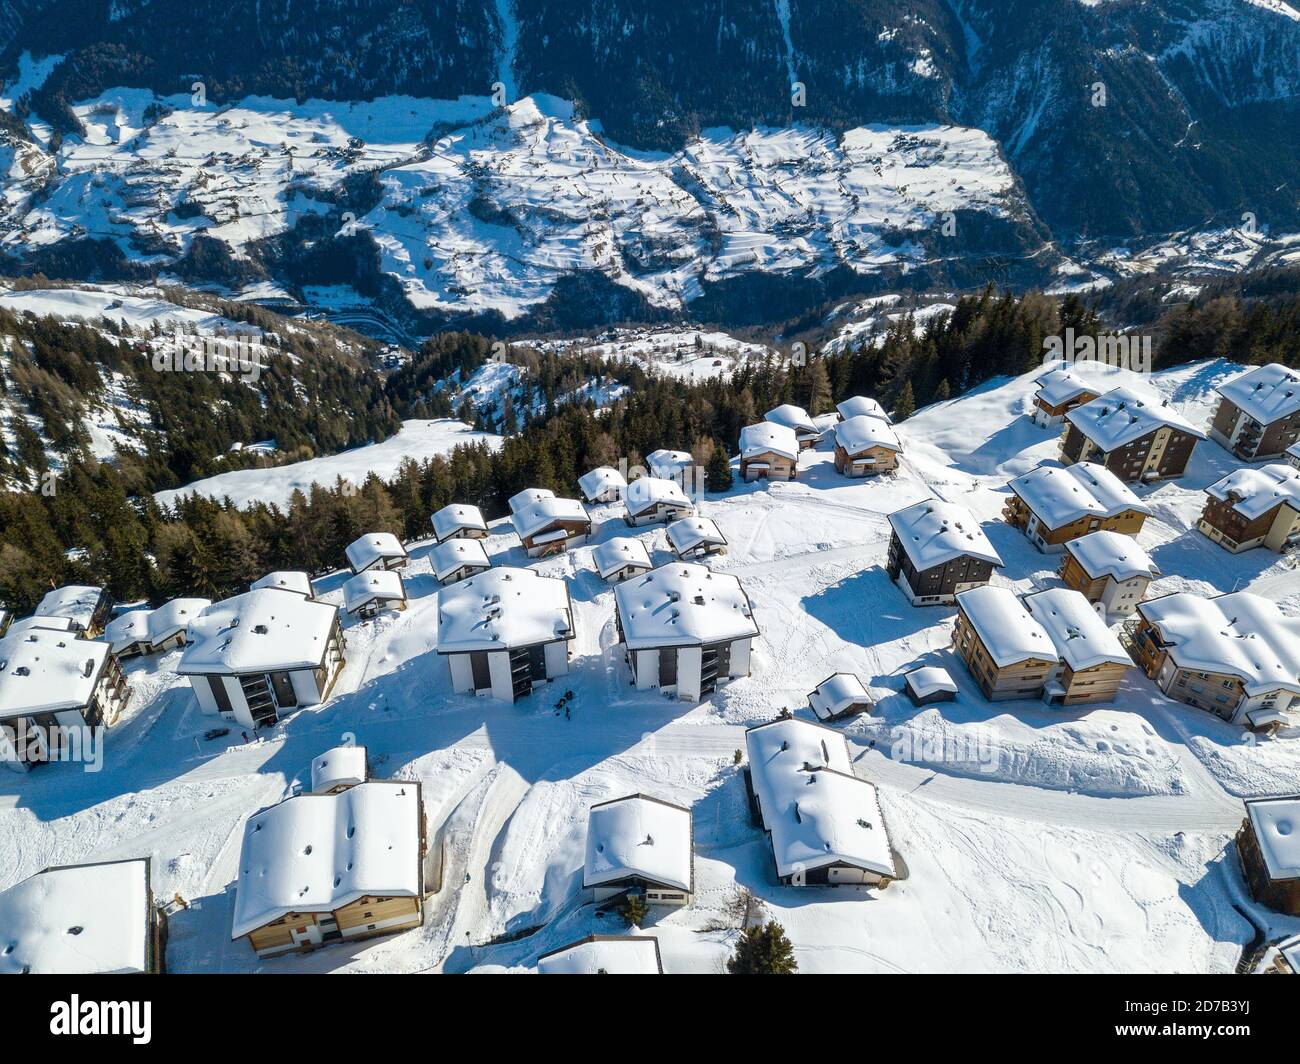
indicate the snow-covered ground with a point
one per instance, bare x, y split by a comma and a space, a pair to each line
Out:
417, 439
1089, 839
501, 203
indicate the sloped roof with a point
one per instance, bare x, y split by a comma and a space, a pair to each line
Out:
1123, 415
1254, 492
259, 631
384, 585
538, 516
319, 852
452, 554
614, 554
640, 837
836, 693
285, 580
1267, 393
768, 436
600, 480
455, 517
1081, 638
1107, 553
1008, 631
645, 493
793, 417
692, 532
862, 432
502, 608
42, 671
339, 766
1060, 495
604, 955
372, 547
934, 532
76, 602
858, 405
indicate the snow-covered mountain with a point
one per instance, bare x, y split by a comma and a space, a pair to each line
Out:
749, 159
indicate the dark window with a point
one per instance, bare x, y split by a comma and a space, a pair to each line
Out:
218, 687
478, 663
284, 692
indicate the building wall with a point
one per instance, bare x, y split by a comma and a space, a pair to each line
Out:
1118, 598
1023, 679
1098, 684
779, 467
938, 585
1282, 895
868, 463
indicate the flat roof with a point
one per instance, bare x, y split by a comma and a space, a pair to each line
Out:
259, 631
502, 608
682, 604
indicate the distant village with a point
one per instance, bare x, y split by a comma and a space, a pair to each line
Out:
351, 856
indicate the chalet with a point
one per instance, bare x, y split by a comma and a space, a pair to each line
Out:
1092, 661
604, 484
43, 624
695, 538
685, 628
523, 499
551, 526
457, 559
88, 608
677, 466
604, 955
640, 846
139, 632
1254, 508
297, 583
85, 919
797, 420
620, 559
838, 696
1235, 655
1110, 570
459, 521
321, 868
1059, 392
938, 550
1269, 846
860, 406
52, 687
338, 769
866, 446
505, 632
652, 499
1135, 436
255, 655
930, 683
369, 592
1259, 413
824, 822
1007, 652
127, 634
1053, 504
376, 550
768, 451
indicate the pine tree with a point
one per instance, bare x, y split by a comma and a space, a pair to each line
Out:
763, 950
819, 388
905, 407
635, 910
942, 392
717, 474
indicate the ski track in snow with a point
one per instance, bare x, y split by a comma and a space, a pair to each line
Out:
1098, 841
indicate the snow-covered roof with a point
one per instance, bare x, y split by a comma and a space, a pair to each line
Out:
639, 837
935, 532
1008, 631
527, 497
174, 616
1060, 495
1123, 415
40, 624
614, 554
90, 919
503, 608
342, 766
320, 852
1290, 951
456, 518
862, 432
1277, 829
668, 464
285, 580
1237, 634
1107, 553
259, 631
645, 493
598, 481
384, 585
793, 417
692, 532
1080, 636
539, 516
928, 680
452, 554
75, 602
1254, 492
127, 629
862, 406
1060, 386
817, 811
836, 693
1294, 450
43, 671
366, 550
604, 955
1267, 393
768, 436
682, 604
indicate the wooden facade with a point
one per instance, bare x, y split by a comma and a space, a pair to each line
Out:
769, 465
1281, 895
868, 462
1274, 529
1118, 597
1022, 679
1159, 455
1017, 513
1250, 439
